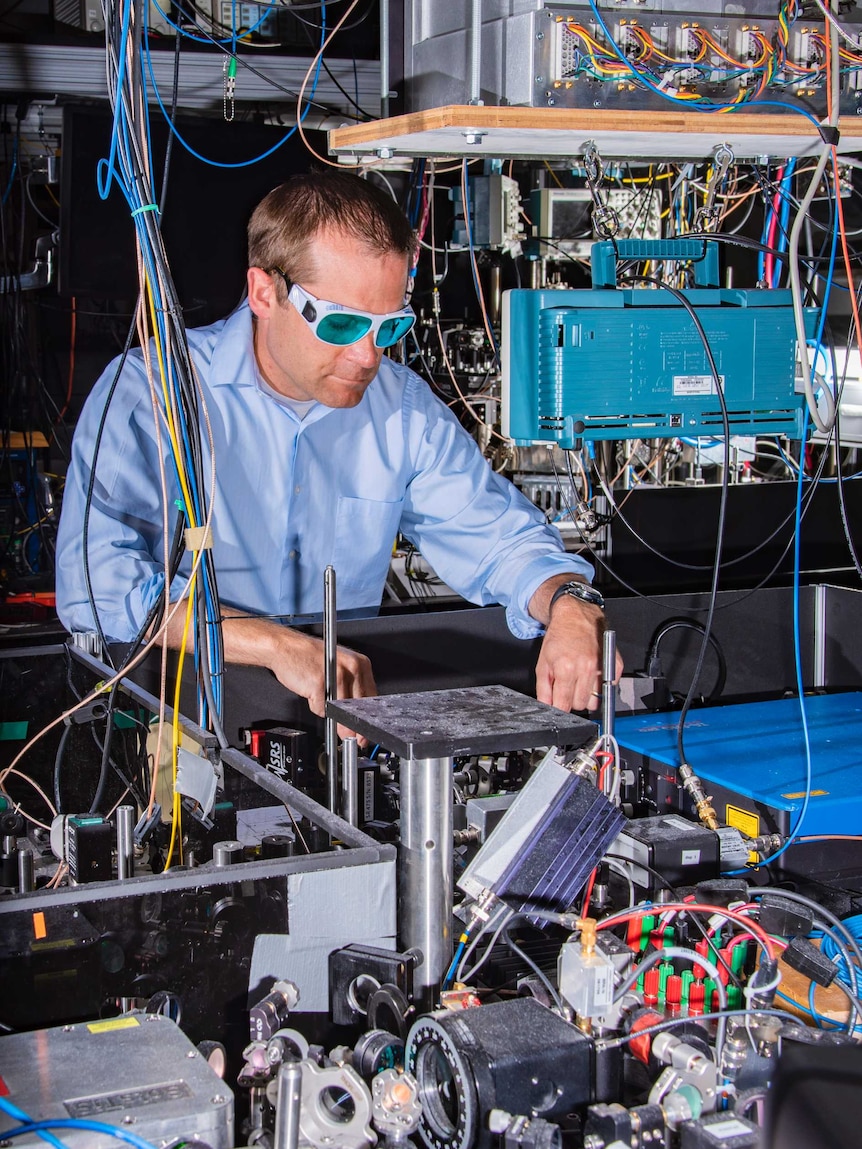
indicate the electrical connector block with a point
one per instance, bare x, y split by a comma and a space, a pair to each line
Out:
586, 977
810, 961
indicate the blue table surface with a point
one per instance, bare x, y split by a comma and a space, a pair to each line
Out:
758, 749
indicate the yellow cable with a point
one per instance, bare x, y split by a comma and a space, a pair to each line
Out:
177, 808
168, 412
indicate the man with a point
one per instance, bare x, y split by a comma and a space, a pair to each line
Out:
324, 450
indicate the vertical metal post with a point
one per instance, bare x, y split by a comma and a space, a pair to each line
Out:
384, 58
350, 780
287, 1106
819, 637
26, 873
330, 683
125, 842
609, 670
475, 51
425, 881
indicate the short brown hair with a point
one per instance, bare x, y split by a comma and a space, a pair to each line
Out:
288, 218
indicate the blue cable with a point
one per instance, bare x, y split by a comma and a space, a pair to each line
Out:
784, 216
268, 10
8, 190
692, 103
819, 1020
796, 565
453, 965
797, 656
145, 48
19, 1115
829, 949
109, 165
77, 1123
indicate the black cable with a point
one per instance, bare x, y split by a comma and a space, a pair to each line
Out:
617, 513
169, 146
722, 506
91, 484
693, 919
242, 62
58, 766
528, 961
344, 91
673, 624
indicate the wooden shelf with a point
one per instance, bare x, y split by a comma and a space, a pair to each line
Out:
24, 441
542, 133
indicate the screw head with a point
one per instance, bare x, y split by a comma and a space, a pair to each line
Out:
540, 79
540, 35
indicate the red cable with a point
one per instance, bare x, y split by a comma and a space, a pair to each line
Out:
687, 907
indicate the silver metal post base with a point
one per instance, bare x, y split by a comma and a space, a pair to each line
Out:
425, 881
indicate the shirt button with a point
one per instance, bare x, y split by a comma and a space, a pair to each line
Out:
292, 555
297, 489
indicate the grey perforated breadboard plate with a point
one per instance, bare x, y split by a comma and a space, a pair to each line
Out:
472, 720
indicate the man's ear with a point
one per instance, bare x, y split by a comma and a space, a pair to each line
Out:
261, 292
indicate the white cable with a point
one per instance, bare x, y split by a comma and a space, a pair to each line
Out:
838, 28
620, 868
507, 915
614, 792
822, 425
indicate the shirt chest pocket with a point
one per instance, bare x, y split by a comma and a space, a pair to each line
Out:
365, 531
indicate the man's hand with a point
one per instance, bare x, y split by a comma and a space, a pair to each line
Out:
298, 664
569, 669
297, 660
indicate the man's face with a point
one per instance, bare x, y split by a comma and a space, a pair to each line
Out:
292, 360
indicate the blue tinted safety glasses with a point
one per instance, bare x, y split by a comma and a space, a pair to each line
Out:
339, 325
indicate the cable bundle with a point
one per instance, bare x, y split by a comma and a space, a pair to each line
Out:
178, 404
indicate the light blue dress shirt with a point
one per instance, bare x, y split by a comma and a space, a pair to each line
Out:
294, 495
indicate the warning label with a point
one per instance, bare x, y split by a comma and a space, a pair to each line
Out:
743, 820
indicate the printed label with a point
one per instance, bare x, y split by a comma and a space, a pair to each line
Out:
695, 385
368, 796
728, 1129
690, 857
743, 820
127, 1099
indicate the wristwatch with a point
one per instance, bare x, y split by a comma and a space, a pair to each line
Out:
579, 590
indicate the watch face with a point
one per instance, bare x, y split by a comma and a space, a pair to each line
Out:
588, 595
581, 591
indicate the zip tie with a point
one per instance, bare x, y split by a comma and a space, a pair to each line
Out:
198, 538
146, 207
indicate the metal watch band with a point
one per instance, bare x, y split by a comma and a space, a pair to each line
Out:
579, 590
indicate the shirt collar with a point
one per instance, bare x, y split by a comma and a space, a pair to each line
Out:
233, 362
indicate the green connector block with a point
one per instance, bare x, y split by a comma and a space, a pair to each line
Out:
708, 991
13, 731
664, 972
648, 927
738, 955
